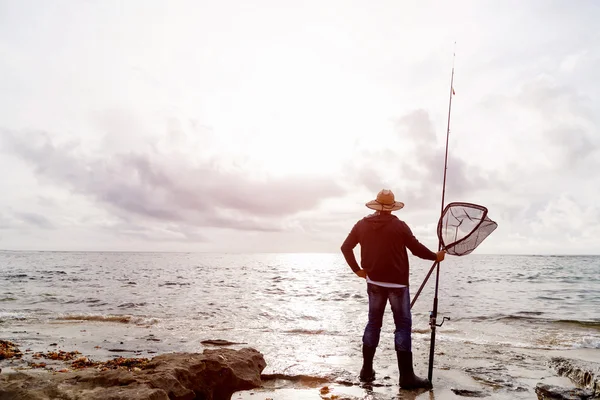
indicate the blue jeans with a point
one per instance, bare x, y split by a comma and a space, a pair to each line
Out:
400, 301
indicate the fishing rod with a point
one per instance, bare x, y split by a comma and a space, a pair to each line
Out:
461, 228
436, 265
433, 314
440, 245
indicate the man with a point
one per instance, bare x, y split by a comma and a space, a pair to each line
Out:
383, 242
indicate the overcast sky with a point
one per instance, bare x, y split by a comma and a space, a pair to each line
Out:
266, 125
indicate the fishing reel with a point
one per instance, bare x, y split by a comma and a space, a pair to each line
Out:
432, 320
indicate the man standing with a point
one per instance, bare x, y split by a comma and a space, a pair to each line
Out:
383, 242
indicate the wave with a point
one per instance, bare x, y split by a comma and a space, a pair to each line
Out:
22, 315
589, 343
174, 284
15, 276
122, 319
132, 305
444, 329
421, 330
309, 318
595, 324
311, 332
530, 312
584, 324
534, 316
547, 343
337, 296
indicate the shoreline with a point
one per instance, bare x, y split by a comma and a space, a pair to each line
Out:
494, 371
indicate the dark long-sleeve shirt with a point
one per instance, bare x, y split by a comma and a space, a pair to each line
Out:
383, 242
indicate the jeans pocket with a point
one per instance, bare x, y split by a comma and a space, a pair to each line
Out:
374, 289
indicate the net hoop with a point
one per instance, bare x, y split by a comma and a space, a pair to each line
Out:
483, 219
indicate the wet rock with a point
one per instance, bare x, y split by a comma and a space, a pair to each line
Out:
583, 373
152, 338
9, 350
57, 355
547, 392
212, 375
494, 376
469, 393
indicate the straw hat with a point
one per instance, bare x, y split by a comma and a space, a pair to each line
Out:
385, 201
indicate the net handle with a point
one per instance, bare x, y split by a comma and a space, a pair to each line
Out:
441, 244
412, 303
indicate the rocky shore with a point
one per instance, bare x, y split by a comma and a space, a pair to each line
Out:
586, 375
217, 374
211, 375
582, 373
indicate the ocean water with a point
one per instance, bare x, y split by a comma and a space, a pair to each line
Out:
305, 312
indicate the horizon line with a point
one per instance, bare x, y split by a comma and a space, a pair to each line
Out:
269, 252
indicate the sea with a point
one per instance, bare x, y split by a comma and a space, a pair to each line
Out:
508, 315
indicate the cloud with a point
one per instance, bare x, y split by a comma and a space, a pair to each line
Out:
172, 142
154, 233
552, 122
417, 126
566, 215
525, 198
416, 168
164, 186
34, 219
565, 116
5, 223
22, 219
561, 225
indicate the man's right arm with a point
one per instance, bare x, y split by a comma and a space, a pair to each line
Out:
416, 247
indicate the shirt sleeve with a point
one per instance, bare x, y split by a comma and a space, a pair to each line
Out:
348, 247
415, 247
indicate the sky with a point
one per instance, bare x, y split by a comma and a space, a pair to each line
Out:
265, 126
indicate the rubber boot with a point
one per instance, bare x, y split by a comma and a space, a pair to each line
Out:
367, 374
408, 379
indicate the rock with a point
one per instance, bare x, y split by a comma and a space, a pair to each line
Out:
212, 375
469, 393
547, 392
495, 376
9, 350
583, 373
215, 374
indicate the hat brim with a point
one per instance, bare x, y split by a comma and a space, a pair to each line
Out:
374, 205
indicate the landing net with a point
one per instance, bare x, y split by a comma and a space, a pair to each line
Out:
463, 226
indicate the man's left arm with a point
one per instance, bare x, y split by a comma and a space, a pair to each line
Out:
347, 250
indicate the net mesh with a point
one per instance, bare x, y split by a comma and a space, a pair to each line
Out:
463, 227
